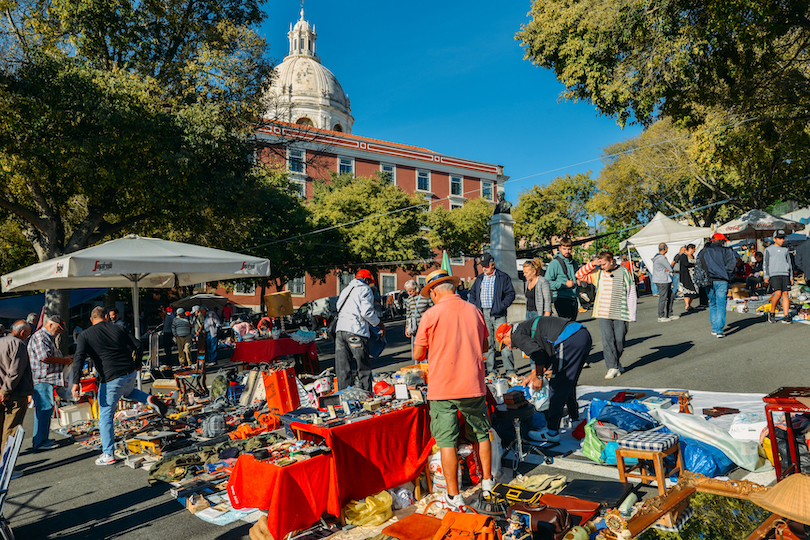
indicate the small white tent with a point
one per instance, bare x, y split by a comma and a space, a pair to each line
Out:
669, 231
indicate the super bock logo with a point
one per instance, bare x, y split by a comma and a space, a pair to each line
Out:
102, 266
59, 268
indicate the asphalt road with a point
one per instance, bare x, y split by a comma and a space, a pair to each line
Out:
62, 494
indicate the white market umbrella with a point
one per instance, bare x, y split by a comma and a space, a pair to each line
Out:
757, 224
136, 262
210, 301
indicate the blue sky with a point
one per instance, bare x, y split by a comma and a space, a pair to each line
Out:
449, 76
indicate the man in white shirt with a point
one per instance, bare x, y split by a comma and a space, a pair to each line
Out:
355, 315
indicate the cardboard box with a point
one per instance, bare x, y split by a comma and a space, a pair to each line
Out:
75, 413
278, 304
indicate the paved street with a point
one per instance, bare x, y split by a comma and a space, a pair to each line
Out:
64, 495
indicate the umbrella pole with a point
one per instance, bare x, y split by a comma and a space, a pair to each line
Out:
136, 317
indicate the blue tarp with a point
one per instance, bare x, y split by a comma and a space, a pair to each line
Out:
20, 306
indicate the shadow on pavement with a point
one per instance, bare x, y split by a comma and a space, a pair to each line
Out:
742, 324
664, 351
29, 470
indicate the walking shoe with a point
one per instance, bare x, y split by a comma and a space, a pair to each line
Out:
451, 503
105, 459
787, 320
585, 365
664, 319
720, 335
544, 435
674, 317
47, 445
771, 318
487, 484
158, 405
613, 373
714, 333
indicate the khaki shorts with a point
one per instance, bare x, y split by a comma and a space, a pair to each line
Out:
445, 426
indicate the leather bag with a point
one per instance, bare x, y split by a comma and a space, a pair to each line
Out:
544, 518
414, 527
331, 328
463, 526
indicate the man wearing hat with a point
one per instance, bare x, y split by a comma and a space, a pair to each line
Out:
551, 342
492, 293
47, 364
355, 315
778, 270
181, 329
720, 263
454, 334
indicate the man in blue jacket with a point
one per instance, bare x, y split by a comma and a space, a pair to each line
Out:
493, 293
720, 263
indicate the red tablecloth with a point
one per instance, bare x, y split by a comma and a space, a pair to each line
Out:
372, 455
266, 350
295, 496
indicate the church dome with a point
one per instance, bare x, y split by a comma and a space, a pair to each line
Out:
304, 91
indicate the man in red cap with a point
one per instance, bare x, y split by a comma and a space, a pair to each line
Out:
355, 315
454, 333
551, 342
720, 263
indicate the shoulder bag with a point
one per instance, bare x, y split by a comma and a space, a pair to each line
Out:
700, 273
331, 329
556, 521
463, 526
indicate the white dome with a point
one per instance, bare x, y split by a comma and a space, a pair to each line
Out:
304, 91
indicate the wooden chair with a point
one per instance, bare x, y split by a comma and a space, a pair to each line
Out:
192, 381
649, 446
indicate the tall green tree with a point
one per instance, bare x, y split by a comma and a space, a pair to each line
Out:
557, 209
395, 235
460, 231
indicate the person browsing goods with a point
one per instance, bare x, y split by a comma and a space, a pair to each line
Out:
560, 276
16, 379
778, 271
561, 345
493, 293
719, 262
453, 335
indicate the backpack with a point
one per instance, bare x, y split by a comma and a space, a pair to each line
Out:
700, 273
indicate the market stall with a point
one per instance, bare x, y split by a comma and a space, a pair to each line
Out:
268, 350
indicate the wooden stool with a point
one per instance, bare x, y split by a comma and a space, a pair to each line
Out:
649, 446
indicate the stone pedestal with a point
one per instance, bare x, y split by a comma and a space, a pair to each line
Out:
502, 249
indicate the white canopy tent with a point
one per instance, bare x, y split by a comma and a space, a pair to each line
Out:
135, 261
663, 229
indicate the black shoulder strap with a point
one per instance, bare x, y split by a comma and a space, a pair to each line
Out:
346, 299
564, 267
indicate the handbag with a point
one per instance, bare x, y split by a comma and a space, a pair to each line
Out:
414, 527
557, 521
463, 526
331, 329
700, 273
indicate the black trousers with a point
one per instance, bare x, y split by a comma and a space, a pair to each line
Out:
168, 343
567, 308
571, 355
352, 359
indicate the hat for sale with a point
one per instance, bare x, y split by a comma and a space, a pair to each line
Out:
486, 258
364, 274
790, 498
501, 333
719, 236
436, 277
779, 234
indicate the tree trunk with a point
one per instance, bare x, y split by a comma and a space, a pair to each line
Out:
57, 302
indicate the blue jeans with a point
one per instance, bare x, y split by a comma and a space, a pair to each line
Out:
108, 395
653, 287
676, 281
43, 407
532, 315
717, 305
211, 343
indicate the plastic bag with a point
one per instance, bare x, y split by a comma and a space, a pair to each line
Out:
540, 398
591, 445
627, 419
402, 496
597, 405
437, 473
497, 453
373, 510
352, 393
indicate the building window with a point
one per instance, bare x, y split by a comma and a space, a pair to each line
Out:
344, 278
345, 165
338, 127
456, 186
297, 286
388, 173
457, 260
389, 283
246, 288
423, 180
296, 160
453, 206
299, 187
486, 190
304, 121
420, 280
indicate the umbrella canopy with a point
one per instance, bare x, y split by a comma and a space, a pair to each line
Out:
135, 261
446, 263
210, 301
756, 223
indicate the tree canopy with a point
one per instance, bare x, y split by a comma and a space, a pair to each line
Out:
463, 230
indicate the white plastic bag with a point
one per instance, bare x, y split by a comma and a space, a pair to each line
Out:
497, 453
540, 398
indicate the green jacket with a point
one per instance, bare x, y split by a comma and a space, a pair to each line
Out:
556, 277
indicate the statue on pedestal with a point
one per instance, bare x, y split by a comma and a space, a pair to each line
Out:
503, 206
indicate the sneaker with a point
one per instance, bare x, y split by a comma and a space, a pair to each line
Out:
720, 335
50, 444
674, 317
664, 319
771, 318
105, 459
586, 365
714, 333
158, 405
487, 484
787, 320
451, 503
544, 435
613, 373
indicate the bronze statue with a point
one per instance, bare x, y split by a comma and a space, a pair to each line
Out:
503, 206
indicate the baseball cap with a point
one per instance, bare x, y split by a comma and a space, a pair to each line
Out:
501, 332
57, 319
364, 274
195, 309
486, 258
719, 236
779, 234
180, 312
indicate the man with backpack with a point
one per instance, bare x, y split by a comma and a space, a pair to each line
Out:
560, 276
718, 263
